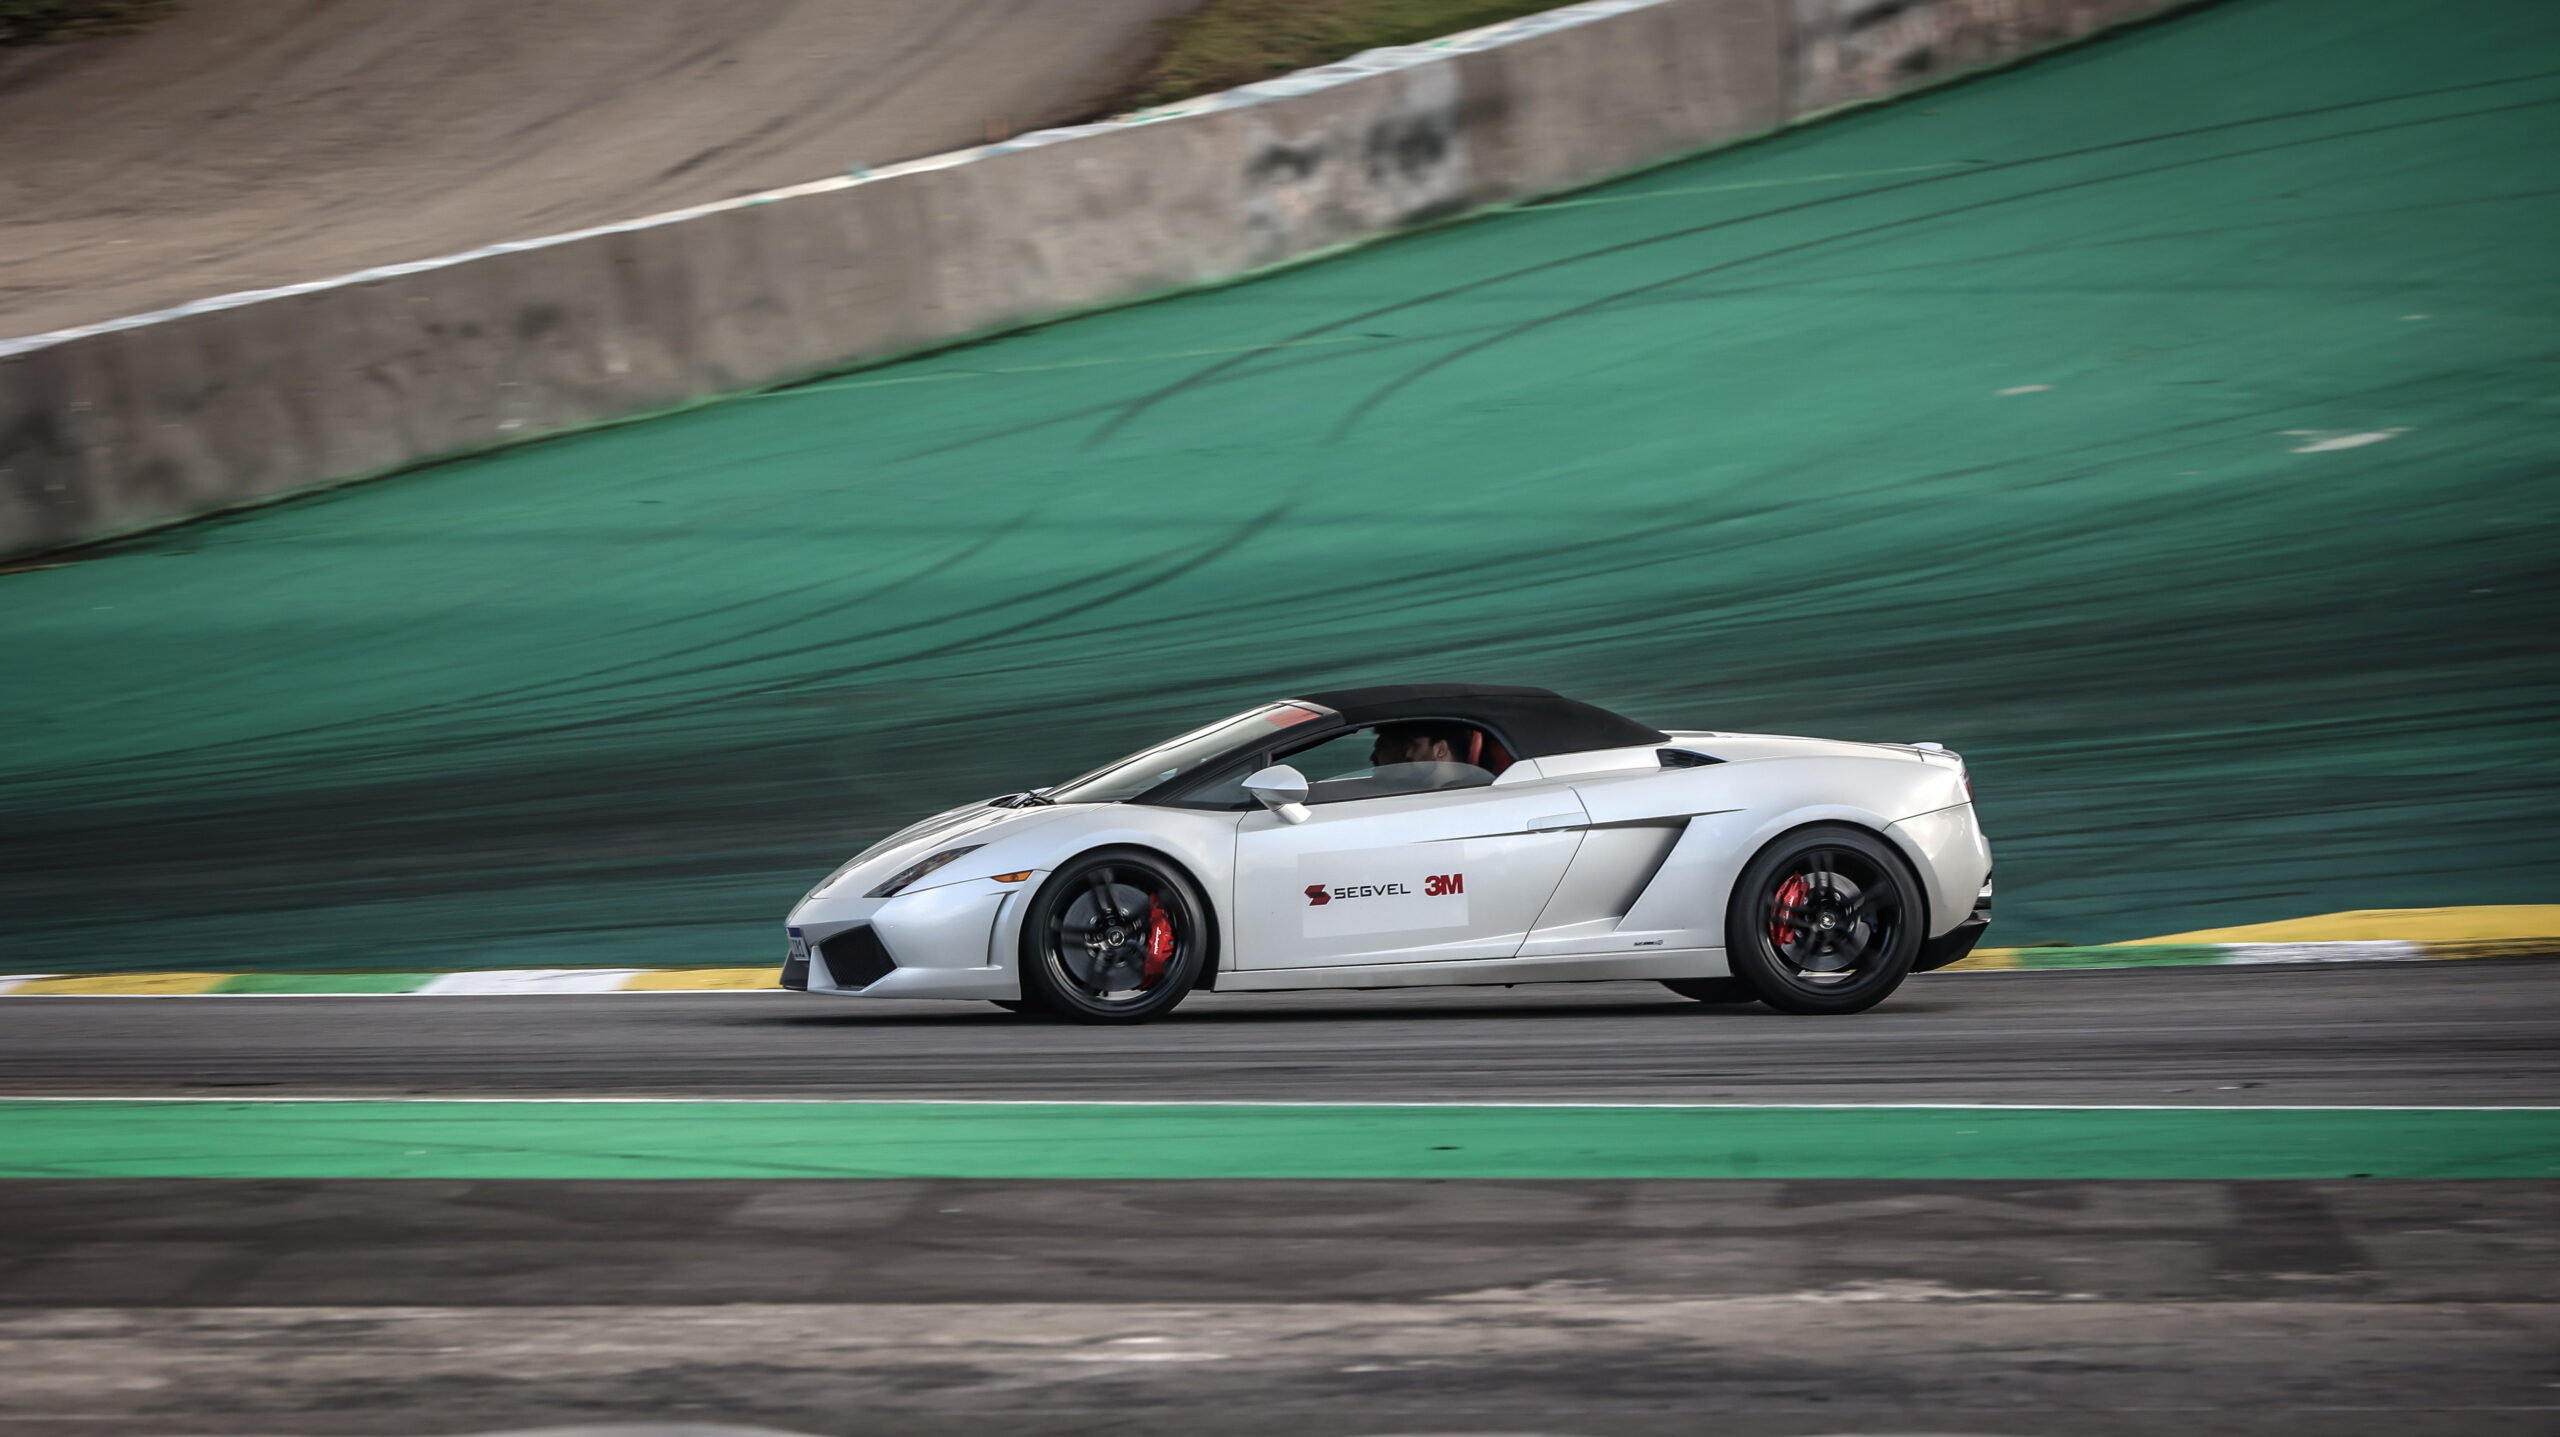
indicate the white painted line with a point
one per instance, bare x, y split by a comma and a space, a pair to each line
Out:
501, 982
576, 982
2342, 951
2025, 389
2330, 441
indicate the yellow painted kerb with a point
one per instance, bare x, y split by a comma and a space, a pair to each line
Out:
123, 984
702, 980
2493, 923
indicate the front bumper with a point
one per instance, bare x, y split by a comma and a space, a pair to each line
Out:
953, 941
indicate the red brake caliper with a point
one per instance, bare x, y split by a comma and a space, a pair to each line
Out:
1791, 894
1159, 943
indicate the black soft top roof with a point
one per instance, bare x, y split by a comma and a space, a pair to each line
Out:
1534, 722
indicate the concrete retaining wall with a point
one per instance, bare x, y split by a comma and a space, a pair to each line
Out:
121, 426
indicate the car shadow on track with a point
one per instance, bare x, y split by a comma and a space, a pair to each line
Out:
969, 1016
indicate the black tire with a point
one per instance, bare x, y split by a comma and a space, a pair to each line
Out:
1826, 920
1118, 935
1713, 990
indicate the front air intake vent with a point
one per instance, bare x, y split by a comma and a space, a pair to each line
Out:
855, 958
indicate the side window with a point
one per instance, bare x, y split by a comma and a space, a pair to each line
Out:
1383, 760
1221, 793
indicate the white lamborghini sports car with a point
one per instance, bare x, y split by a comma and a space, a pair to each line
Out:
1422, 834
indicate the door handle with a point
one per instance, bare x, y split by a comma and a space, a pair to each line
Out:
1555, 822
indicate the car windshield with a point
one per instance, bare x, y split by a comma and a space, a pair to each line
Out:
1151, 768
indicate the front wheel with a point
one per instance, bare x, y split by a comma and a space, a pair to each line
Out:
1114, 936
1826, 920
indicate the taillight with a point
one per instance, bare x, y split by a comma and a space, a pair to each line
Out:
1927, 746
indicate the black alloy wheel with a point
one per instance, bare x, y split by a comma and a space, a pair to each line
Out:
1826, 920
1115, 936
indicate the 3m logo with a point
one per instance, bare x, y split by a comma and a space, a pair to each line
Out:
1317, 896
1441, 885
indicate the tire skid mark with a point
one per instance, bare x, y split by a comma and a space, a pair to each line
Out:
1137, 408
1482, 574
1368, 405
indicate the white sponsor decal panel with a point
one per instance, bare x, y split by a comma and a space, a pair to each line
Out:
1382, 890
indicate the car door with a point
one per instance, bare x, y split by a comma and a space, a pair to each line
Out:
1402, 878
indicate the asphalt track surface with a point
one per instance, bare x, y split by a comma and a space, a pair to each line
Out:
2167, 425
2378, 1309
933, 1306
2453, 1034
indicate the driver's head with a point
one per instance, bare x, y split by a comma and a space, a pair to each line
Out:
1421, 742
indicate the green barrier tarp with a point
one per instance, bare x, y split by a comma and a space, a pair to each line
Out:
2168, 425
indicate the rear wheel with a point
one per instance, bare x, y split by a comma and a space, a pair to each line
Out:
1713, 990
1116, 936
1825, 920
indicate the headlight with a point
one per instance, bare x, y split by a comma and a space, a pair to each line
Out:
919, 869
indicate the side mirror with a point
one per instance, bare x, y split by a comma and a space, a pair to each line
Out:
1281, 789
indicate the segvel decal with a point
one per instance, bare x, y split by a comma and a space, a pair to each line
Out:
1382, 890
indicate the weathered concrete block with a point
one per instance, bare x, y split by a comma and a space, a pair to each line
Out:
1574, 104
1858, 49
121, 426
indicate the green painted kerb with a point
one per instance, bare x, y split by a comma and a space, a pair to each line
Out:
291, 1139
2146, 955
332, 983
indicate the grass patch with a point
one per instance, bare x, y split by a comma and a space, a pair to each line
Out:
1236, 42
51, 22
